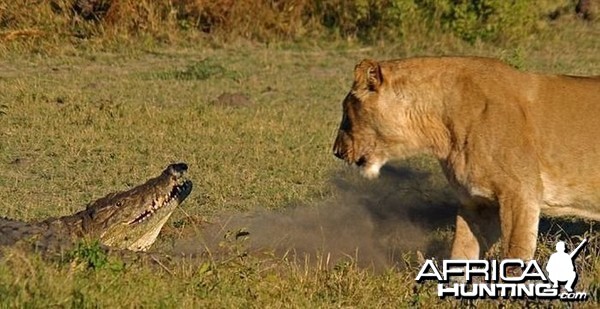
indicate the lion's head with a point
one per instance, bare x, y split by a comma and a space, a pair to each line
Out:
386, 116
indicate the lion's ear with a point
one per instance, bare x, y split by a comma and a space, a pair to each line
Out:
367, 74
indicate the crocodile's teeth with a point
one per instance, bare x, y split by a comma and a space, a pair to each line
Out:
159, 202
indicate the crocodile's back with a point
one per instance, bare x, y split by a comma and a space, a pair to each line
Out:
40, 235
11, 231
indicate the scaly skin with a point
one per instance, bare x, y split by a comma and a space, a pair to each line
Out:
126, 220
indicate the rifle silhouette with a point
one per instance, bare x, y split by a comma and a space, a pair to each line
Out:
579, 247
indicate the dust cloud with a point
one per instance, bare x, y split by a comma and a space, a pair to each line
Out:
375, 223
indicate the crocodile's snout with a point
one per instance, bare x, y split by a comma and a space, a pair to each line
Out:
177, 169
145, 209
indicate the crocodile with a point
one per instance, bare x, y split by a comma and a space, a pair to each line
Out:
128, 220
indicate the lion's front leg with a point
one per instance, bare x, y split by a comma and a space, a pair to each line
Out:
465, 245
477, 229
519, 218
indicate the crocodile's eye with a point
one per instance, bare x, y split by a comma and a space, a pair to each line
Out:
119, 203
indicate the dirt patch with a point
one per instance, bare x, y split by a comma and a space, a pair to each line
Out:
235, 99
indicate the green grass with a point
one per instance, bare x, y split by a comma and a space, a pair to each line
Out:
85, 122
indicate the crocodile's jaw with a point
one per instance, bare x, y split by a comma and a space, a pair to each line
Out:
139, 235
133, 219
144, 242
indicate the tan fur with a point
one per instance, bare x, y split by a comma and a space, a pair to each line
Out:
512, 143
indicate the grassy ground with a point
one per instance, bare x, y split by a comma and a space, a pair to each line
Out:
80, 123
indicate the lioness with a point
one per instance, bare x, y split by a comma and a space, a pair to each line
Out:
512, 143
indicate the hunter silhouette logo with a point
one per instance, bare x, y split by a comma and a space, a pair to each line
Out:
472, 279
561, 266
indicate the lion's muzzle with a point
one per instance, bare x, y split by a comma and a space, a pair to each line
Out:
340, 148
343, 148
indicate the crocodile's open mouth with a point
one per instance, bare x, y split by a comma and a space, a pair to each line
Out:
133, 219
177, 194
